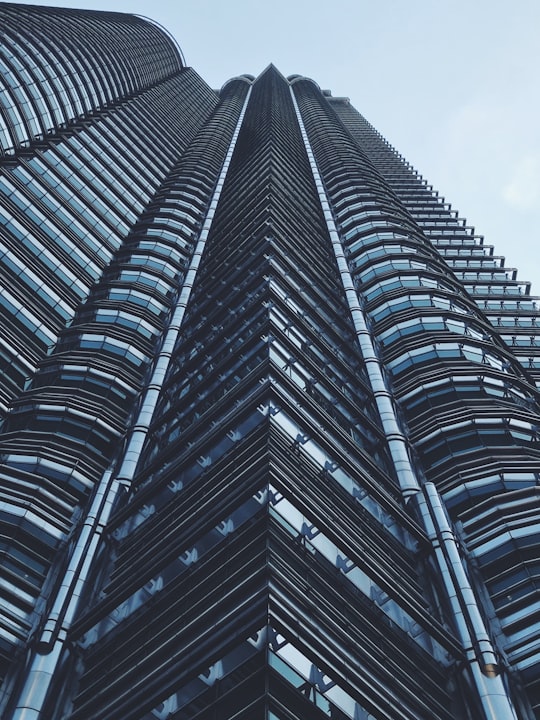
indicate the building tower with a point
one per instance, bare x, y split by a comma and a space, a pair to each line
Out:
270, 423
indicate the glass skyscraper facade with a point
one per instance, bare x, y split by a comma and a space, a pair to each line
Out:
270, 435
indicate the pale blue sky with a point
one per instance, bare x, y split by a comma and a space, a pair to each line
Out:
452, 84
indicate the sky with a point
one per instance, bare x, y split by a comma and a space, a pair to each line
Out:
453, 85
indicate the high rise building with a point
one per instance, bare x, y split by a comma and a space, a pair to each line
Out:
270, 436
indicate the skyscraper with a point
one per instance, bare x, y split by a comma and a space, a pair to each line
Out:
270, 422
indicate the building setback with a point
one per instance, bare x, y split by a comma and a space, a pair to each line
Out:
269, 442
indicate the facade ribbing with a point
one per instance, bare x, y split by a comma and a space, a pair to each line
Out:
270, 423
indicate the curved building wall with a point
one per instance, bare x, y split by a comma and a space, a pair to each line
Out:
88, 273
58, 65
491, 447
505, 300
68, 206
469, 408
